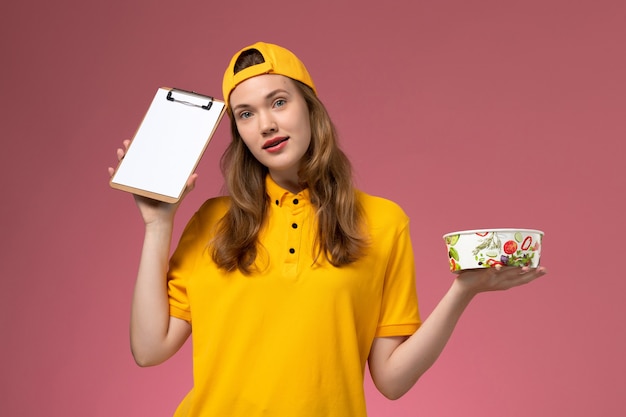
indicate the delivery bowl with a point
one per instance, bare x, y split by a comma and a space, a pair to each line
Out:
486, 248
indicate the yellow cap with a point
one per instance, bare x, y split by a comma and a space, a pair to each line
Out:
278, 60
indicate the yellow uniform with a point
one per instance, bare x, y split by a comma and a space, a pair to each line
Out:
292, 339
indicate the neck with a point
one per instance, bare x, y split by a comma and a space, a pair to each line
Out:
288, 182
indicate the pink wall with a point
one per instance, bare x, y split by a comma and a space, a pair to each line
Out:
468, 113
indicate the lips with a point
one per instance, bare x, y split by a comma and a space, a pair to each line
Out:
274, 142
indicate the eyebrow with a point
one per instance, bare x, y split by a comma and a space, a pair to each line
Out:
270, 95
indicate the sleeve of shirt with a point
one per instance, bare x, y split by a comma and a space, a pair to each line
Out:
399, 310
181, 267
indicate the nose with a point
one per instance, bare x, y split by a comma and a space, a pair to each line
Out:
267, 123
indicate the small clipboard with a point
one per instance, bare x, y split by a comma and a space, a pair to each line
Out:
168, 144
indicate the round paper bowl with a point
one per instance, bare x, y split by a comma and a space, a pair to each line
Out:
486, 248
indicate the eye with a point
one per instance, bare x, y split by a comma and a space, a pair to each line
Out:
245, 115
280, 102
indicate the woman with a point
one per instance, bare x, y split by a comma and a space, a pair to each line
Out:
295, 281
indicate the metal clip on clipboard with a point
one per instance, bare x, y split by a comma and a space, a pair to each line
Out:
191, 99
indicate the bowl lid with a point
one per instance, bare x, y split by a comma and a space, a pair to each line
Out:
506, 230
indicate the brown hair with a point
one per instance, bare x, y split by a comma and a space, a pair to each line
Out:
325, 171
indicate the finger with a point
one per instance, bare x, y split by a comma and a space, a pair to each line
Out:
120, 154
111, 171
506, 272
190, 185
524, 279
525, 276
539, 271
191, 182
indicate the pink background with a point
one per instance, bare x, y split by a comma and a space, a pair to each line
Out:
469, 114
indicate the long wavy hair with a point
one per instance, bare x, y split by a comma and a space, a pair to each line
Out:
325, 171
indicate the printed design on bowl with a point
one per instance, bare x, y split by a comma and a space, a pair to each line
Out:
490, 251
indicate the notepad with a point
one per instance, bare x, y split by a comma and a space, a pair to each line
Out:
168, 144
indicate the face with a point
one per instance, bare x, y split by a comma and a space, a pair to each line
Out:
273, 120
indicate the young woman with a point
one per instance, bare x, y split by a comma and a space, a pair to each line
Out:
295, 281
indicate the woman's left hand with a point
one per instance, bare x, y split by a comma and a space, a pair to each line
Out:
498, 278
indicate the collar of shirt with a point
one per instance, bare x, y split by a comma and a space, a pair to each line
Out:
279, 196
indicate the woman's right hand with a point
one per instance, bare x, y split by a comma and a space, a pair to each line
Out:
153, 211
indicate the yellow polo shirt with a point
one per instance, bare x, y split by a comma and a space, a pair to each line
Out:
293, 339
